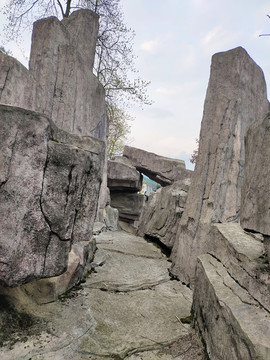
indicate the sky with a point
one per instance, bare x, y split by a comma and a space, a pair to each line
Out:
174, 43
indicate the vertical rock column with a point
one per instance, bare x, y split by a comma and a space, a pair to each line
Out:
236, 97
62, 63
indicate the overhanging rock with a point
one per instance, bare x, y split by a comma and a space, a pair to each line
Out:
160, 169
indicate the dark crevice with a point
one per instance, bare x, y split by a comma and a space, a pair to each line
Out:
154, 240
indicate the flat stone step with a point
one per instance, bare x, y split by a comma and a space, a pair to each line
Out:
233, 324
127, 307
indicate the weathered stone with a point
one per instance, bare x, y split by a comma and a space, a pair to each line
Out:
129, 205
17, 86
91, 323
243, 257
98, 227
235, 98
73, 97
161, 169
233, 325
255, 212
44, 291
49, 190
111, 218
163, 211
128, 244
267, 247
123, 176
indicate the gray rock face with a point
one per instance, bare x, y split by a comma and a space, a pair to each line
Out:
122, 176
129, 205
158, 168
60, 82
233, 325
163, 211
255, 212
235, 98
49, 186
61, 62
17, 86
242, 254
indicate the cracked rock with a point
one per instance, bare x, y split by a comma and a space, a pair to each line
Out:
232, 323
49, 191
236, 97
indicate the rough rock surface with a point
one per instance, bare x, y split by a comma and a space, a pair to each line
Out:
255, 212
122, 176
158, 168
49, 186
129, 205
111, 218
60, 82
44, 291
163, 211
17, 86
236, 97
243, 256
91, 323
234, 326
62, 62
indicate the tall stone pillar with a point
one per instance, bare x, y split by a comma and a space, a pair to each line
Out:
236, 97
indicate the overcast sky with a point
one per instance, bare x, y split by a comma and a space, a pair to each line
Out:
174, 42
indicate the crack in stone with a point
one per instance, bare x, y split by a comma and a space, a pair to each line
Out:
238, 283
12, 155
6, 79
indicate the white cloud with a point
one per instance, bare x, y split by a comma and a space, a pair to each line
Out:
151, 46
218, 39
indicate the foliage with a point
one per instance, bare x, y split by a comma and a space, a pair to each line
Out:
119, 128
195, 153
114, 60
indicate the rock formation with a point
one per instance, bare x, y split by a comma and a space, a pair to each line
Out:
163, 211
235, 98
255, 212
60, 82
49, 190
51, 174
122, 176
161, 169
231, 296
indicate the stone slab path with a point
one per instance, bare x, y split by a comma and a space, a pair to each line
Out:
128, 308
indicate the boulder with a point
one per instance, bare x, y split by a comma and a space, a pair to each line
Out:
161, 169
122, 176
255, 212
49, 187
163, 211
232, 323
111, 218
236, 97
129, 205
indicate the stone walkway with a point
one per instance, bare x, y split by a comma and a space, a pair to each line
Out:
128, 308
